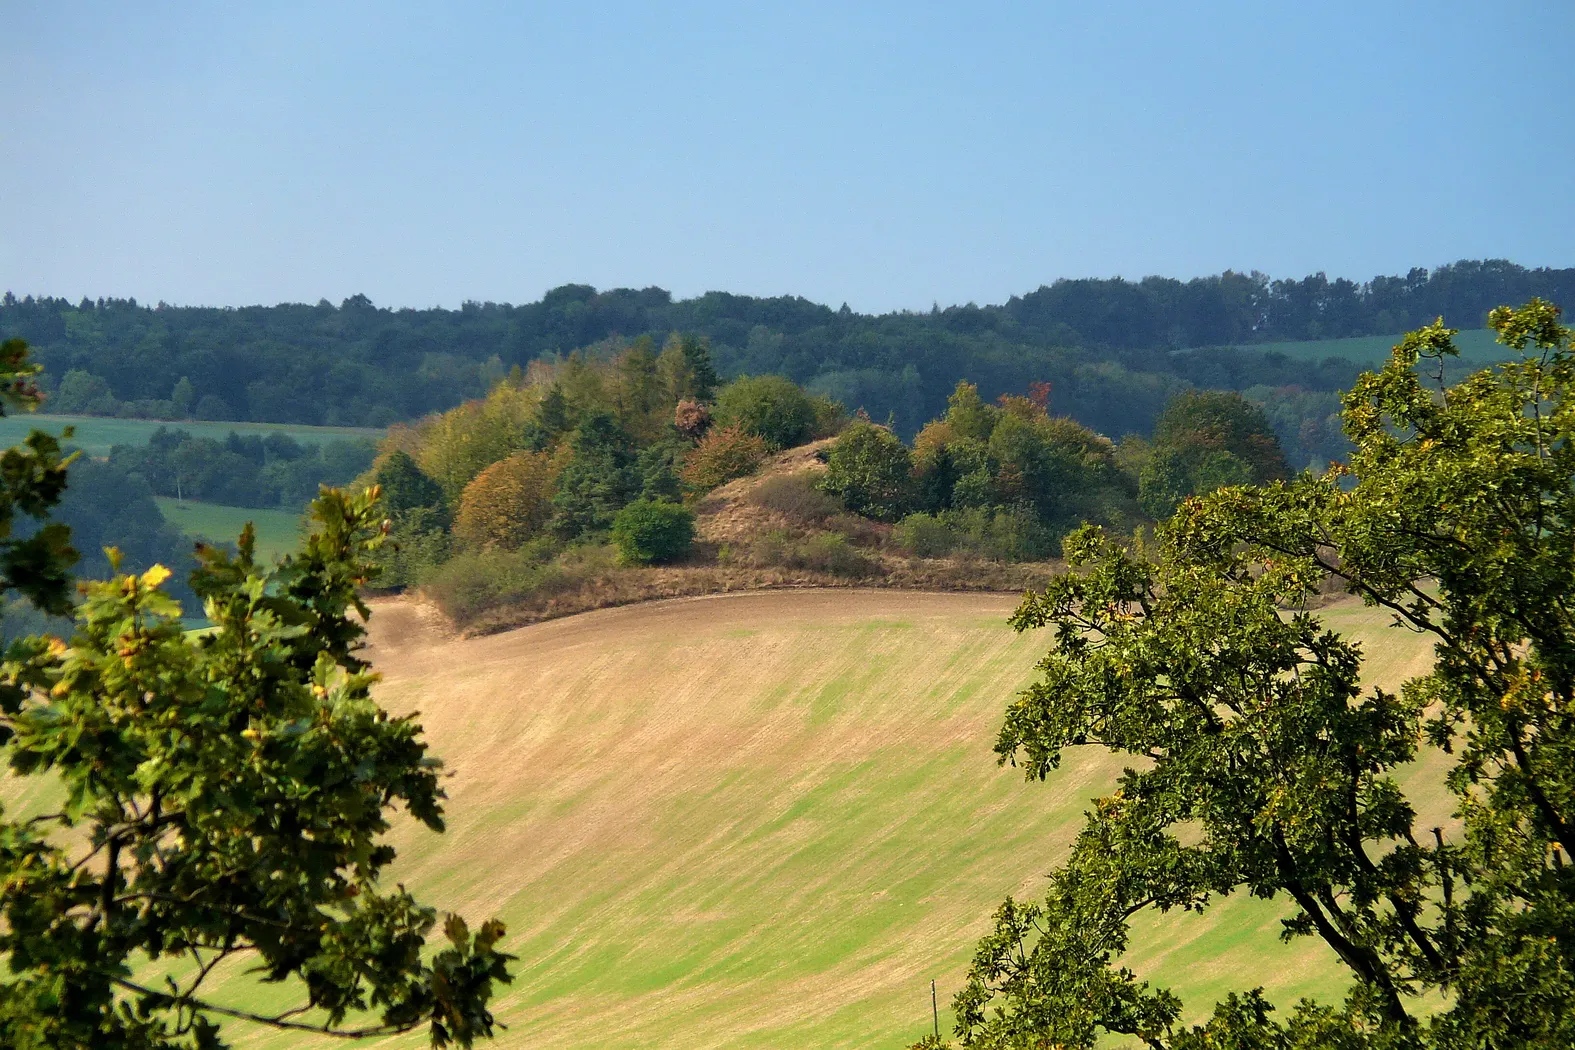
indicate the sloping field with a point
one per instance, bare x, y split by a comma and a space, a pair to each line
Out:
761, 820
278, 531
95, 435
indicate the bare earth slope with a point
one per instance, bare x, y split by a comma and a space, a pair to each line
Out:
759, 820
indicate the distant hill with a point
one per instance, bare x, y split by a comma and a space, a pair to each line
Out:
1104, 345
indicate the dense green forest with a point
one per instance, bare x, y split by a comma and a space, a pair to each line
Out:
1109, 348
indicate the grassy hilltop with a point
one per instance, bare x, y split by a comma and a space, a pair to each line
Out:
761, 820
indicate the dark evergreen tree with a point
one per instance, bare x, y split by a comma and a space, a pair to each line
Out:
602, 475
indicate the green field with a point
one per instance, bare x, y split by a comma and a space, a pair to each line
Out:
762, 820
1478, 346
96, 434
277, 530
765, 820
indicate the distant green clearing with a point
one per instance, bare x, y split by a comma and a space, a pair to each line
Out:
96, 434
1478, 345
277, 530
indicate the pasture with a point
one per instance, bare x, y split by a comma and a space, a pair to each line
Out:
764, 820
278, 531
95, 435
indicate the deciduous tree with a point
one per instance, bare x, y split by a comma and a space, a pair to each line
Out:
1264, 765
222, 797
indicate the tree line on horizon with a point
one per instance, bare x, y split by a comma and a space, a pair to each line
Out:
1108, 347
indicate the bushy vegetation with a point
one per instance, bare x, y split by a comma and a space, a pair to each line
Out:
830, 553
1110, 347
508, 503
771, 408
871, 471
573, 455
723, 454
1260, 760
495, 500
242, 470
1002, 481
647, 532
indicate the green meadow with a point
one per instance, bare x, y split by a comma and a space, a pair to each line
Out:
767, 820
96, 434
277, 530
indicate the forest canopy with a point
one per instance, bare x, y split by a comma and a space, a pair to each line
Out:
1108, 347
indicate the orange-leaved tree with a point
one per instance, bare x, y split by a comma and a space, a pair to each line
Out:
508, 503
722, 455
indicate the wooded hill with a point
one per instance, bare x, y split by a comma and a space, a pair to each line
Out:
1107, 347
544, 497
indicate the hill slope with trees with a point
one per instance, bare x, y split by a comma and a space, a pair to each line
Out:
1107, 346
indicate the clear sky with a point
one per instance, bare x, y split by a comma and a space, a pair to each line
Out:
886, 155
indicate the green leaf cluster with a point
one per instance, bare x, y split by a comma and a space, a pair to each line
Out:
224, 797
1262, 764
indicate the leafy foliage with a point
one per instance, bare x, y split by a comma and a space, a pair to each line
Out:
723, 454
771, 408
509, 503
224, 796
870, 469
1267, 767
647, 532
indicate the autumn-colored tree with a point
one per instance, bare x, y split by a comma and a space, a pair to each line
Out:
508, 503
691, 418
459, 444
722, 455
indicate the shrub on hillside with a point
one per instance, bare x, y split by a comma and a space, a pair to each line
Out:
770, 407
830, 416
1004, 534
796, 496
476, 582
827, 552
831, 553
871, 470
722, 455
923, 536
508, 503
647, 532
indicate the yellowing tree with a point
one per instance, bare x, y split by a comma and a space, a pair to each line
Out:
452, 448
509, 502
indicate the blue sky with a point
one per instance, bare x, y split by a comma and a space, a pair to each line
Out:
886, 155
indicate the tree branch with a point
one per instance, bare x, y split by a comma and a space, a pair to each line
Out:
274, 1021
